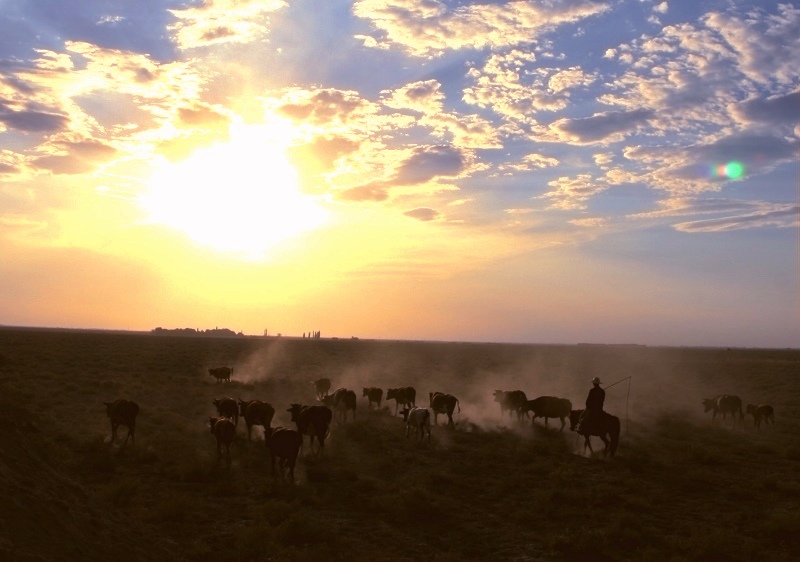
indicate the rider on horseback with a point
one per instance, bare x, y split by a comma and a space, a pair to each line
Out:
594, 405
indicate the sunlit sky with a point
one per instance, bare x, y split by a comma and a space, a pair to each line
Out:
510, 171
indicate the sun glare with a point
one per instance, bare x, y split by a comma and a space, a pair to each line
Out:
241, 196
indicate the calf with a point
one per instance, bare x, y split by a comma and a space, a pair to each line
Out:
761, 412
227, 408
373, 395
122, 412
256, 412
283, 444
221, 373
419, 419
224, 430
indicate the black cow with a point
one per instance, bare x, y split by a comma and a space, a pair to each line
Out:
373, 395
221, 373
122, 412
322, 387
548, 407
403, 396
228, 408
511, 400
256, 412
314, 421
224, 430
761, 412
283, 444
724, 404
442, 403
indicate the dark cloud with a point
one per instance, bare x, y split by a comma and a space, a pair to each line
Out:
68, 164
81, 157
8, 169
603, 125
429, 162
776, 109
33, 121
423, 214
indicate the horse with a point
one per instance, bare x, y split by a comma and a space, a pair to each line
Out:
601, 425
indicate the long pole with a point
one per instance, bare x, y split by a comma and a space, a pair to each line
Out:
627, 401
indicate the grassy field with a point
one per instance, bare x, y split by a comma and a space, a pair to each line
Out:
679, 488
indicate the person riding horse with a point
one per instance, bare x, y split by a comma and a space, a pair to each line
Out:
594, 405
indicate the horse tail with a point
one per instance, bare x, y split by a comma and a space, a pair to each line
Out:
614, 431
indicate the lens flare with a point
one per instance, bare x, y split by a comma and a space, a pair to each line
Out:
732, 170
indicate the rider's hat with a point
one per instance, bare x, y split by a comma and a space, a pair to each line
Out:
596, 380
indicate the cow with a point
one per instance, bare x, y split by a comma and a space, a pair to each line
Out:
724, 404
122, 412
221, 373
341, 401
224, 430
313, 421
511, 400
419, 419
442, 403
227, 407
403, 396
548, 407
283, 444
322, 386
256, 412
761, 412
373, 395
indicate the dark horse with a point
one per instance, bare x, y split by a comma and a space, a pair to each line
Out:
604, 425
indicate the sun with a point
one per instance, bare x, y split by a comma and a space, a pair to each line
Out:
241, 196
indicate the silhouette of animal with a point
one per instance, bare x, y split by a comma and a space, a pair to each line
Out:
227, 407
724, 404
283, 444
224, 430
548, 407
605, 426
221, 373
373, 395
322, 387
256, 412
313, 421
761, 412
341, 401
122, 412
442, 403
403, 396
511, 400
419, 419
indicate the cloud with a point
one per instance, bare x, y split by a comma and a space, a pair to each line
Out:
737, 214
423, 214
781, 110
782, 216
601, 128
428, 29
572, 193
33, 121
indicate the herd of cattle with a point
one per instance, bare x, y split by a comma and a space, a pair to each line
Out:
314, 420
730, 404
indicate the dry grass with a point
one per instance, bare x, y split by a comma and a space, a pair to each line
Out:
679, 488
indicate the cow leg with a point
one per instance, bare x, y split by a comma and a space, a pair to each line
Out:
563, 423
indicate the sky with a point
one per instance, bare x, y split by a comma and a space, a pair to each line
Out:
507, 171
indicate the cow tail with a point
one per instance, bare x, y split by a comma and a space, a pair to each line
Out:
459, 406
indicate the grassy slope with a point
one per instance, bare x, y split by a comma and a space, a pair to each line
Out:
679, 488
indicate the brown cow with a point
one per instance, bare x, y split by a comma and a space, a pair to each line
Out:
548, 407
761, 412
373, 395
227, 407
322, 387
724, 404
442, 403
283, 444
224, 430
256, 412
313, 421
403, 396
122, 412
221, 373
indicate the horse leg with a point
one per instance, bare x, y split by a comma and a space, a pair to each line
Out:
607, 443
587, 443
